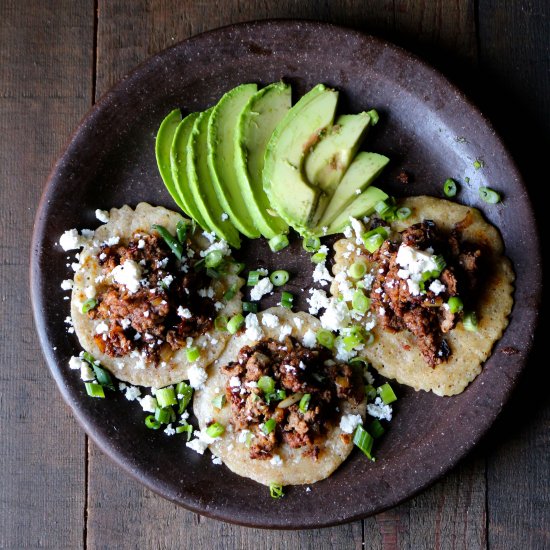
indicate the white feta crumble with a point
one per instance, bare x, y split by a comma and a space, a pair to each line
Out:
253, 329
206, 292
224, 216
128, 274
197, 377
125, 323
414, 262
184, 312
67, 284
298, 322
211, 237
262, 271
269, 320
216, 460
167, 281
132, 393
112, 241
201, 441
141, 244
348, 232
336, 315
70, 240
310, 340
102, 328
318, 300
349, 422
276, 460
264, 286
234, 382
75, 363
321, 274
148, 403
284, 331
86, 372
437, 287
222, 246
379, 410
102, 215
169, 430
90, 292
358, 229
414, 287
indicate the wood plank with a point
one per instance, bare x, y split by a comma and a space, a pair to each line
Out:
45, 88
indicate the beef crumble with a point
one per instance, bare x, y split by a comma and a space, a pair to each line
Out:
149, 320
421, 307
296, 371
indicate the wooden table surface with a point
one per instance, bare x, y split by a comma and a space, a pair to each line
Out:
57, 57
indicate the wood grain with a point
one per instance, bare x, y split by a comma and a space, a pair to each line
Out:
45, 76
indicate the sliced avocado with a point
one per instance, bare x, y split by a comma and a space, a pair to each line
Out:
295, 200
363, 205
364, 169
178, 164
201, 186
163, 143
330, 158
256, 123
222, 128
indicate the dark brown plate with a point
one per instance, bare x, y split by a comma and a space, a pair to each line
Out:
427, 128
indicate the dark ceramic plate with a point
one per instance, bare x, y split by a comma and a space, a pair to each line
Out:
427, 128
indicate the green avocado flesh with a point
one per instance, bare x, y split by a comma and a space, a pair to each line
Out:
363, 205
364, 169
222, 128
163, 143
200, 183
330, 158
178, 164
296, 200
256, 123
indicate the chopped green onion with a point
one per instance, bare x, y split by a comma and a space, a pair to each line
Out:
238, 267
212, 273
450, 188
357, 270
363, 440
88, 305
276, 490
470, 321
186, 392
360, 361
181, 230
489, 195
430, 275
467, 179
279, 395
478, 163
219, 401
373, 243
230, 293
455, 304
269, 426
325, 338
214, 258
319, 257
175, 246
253, 278
370, 392
387, 394
192, 353
94, 390
376, 429
166, 397
215, 430
403, 213
440, 262
103, 377
304, 402
278, 242
382, 207
353, 340
220, 323
374, 117
360, 302
185, 428
235, 323
250, 307
311, 244
151, 422
266, 384
199, 264
287, 300
279, 277
165, 415
90, 359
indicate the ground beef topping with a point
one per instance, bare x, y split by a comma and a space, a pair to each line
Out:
285, 392
416, 276
149, 300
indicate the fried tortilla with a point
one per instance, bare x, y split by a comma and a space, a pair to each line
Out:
396, 355
131, 367
290, 467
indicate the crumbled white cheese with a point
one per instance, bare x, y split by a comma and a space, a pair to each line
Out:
70, 240
90, 292
253, 329
67, 284
206, 292
210, 236
125, 323
414, 262
169, 430
201, 441
86, 372
102, 328
264, 286
309, 340
112, 241
132, 393
379, 410
349, 422
222, 246
184, 313
276, 460
75, 363
269, 320
321, 274
128, 274
336, 315
437, 287
102, 215
148, 403
348, 232
358, 229
167, 281
141, 244
224, 216
234, 382
298, 322
318, 300
197, 376
284, 331
243, 436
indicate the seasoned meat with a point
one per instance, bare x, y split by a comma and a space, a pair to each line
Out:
148, 319
417, 301
292, 370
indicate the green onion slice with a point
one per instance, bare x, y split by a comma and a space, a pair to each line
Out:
440, 262
166, 397
489, 195
103, 377
311, 243
278, 242
325, 338
214, 258
470, 321
230, 293
192, 353
253, 278
357, 270
376, 429
181, 230
455, 304
151, 422
220, 323
363, 440
185, 428
403, 213
215, 430
89, 304
387, 394
449, 188
235, 323
266, 384
94, 390
319, 257
370, 392
374, 117
269, 426
276, 490
279, 277
304, 402
250, 307
165, 415
186, 392
372, 244
219, 401
175, 246
360, 302
238, 267
287, 300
